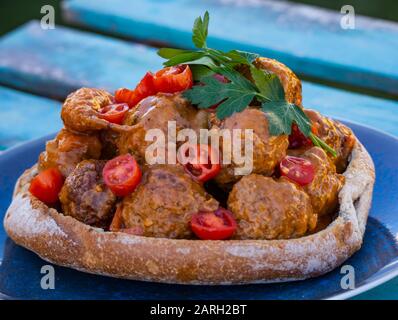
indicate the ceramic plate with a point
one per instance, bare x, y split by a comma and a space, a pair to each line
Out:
375, 263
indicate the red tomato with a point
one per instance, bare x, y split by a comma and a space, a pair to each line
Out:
173, 79
298, 170
47, 185
114, 113
216, 225
144, 89
297, 139
200, 166
122, 175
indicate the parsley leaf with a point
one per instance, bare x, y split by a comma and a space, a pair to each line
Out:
281, 116
168, 53
200, 71
185, 57
207, 94
268, 84
200, 31
237, 101
239, 92
234, 96
243, 57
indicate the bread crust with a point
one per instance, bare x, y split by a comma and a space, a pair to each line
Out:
65, 241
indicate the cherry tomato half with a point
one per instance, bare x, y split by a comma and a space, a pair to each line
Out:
298, 170
218, 225
173, 79
122, 175
47, 185
144, 89
199, 164
114, 113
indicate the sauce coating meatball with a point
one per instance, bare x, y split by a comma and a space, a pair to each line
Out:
68, 149
155, 112
268, 150
325, 187
85, 196
164, 202
290, 82
336, 135
265, 208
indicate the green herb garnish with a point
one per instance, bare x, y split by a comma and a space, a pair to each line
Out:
239, 92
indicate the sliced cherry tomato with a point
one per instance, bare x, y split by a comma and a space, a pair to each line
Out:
47, 185
144, 89
298, 170
199, 164
218, 225
114, 113
122, 175
173, 79
222, 79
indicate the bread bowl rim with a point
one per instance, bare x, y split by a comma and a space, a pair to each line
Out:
64, 241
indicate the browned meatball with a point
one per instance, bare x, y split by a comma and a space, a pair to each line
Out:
268, 150
80, 111
290, 82
154, 113
68, 149
325, 187
85, 197
269, 209
163, 204
336, 135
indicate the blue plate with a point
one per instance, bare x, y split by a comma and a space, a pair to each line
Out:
374, 264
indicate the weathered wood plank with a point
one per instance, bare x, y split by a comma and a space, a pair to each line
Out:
378, 113
25, 116
308, 39
56, 62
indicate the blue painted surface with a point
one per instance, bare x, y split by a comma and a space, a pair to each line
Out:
20, 269
24, 117
378, 113
56, 62
308, 39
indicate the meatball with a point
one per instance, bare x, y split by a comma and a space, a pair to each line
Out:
154, 113
68, 149
268, 150
109, 140
164, 202
265, 208
336, 135
80, 111
85, 197
325, 187
290, 82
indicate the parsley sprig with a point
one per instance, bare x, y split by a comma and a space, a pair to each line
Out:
239, 92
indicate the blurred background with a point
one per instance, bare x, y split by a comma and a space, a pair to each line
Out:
15, 12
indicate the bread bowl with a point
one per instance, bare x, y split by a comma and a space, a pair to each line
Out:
67, 239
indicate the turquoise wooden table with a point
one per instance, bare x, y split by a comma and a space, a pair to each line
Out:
38, 68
